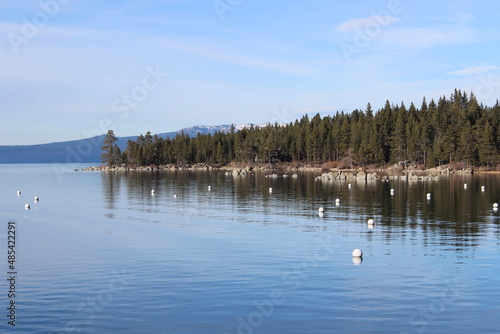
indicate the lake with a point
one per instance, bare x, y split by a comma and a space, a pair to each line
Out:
99, 253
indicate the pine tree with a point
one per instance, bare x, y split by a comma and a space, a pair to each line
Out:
111, 154
398, 137
367, 148
412, 135
384, 122
488, 154
344, 137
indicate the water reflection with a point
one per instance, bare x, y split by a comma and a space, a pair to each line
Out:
454, 216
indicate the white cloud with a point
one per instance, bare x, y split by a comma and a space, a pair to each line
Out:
364, 23
474, 70
422, 37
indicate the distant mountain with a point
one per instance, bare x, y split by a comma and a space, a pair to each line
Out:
87, 150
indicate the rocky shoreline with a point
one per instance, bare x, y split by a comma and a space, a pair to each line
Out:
385, 173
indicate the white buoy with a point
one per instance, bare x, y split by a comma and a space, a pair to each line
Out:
270, 190
37, 199
495, 205
26, 206
152, 191
209, 188
392, 192
357, 253
175, 196
371, 222
321, 209
465, 185
483, 188
349, 186
18, 192
428, 195
337, 201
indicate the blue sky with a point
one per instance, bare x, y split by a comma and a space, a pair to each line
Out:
71, 69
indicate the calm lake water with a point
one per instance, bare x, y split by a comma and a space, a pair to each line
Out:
99, 254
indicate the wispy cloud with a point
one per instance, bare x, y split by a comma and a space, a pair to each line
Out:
444, 32
475, 70
421, 37
364, 23
217, 53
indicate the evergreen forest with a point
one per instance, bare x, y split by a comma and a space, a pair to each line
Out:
451, 130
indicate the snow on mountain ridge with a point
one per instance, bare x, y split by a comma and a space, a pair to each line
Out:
211, 129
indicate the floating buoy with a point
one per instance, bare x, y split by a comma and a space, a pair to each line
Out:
321, 209
465, 185
37, 199
152, 191
18, 192
26, 206
270, 190
428, 195
337, 201
349, 186
175, 196
495, 205
357, 253
371, 222
483, 188
392, 191
209, 188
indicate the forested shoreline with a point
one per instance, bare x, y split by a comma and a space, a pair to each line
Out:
452, 130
